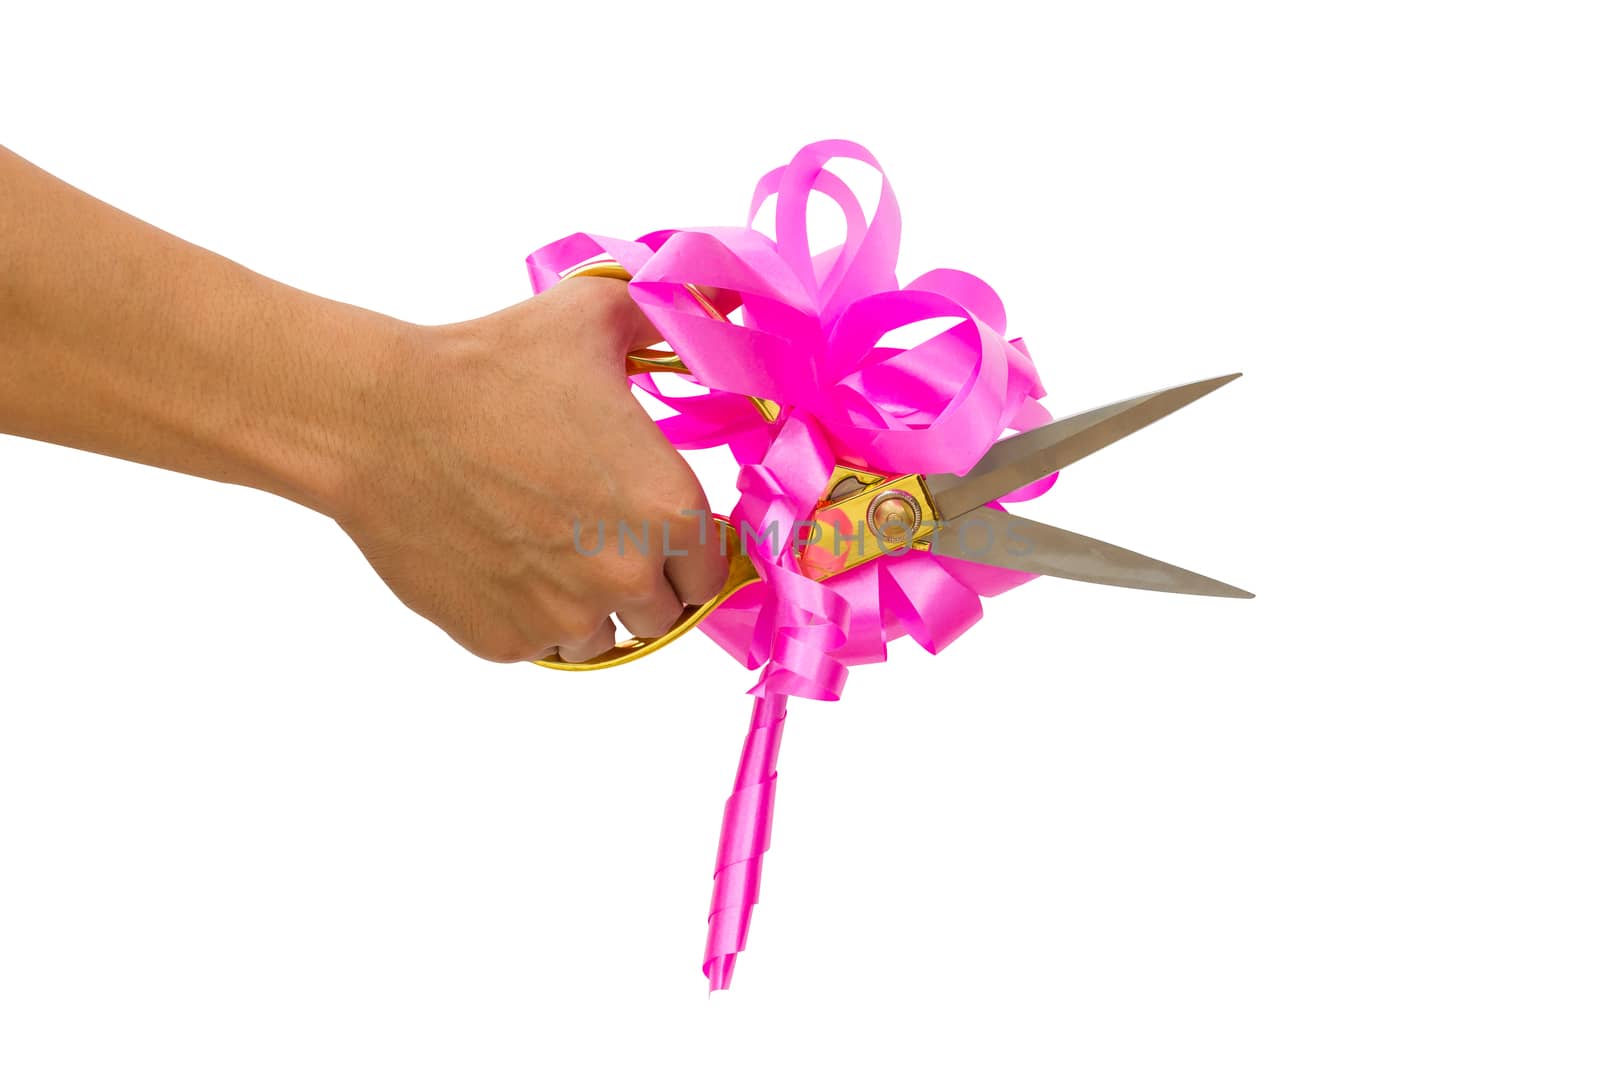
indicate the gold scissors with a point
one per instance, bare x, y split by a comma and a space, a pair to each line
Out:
865, 514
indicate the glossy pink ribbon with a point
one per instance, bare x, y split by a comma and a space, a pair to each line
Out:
809, 336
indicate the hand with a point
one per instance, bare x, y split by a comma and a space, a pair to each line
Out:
459, 457
496, 437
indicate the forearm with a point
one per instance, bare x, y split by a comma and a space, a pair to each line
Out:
119, 338
457, 457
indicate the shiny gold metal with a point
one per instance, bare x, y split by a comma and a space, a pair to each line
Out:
851, 528
741, 572
893, 515
641, 362
847, 481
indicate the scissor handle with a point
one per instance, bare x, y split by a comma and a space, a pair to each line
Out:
741, 572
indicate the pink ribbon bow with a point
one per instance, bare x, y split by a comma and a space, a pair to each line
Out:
809, 337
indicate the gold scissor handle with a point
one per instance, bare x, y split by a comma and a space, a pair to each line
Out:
741, 572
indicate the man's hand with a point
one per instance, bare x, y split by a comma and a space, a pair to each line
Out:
458, 457
512, 440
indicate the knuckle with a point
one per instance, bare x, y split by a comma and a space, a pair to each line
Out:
605, 303
679, 491
575, 626
655, 624
629, 577
668, 489
702, 588
506, 650
588, 646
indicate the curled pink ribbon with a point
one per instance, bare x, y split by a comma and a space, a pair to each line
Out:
809, 336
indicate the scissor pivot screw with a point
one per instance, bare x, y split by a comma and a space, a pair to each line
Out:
894, 516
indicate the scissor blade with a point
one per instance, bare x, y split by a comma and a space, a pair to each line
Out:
1018, 544
1029, 456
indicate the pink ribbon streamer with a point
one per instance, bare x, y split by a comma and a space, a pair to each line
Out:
809, 336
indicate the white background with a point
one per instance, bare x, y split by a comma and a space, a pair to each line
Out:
253, 812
